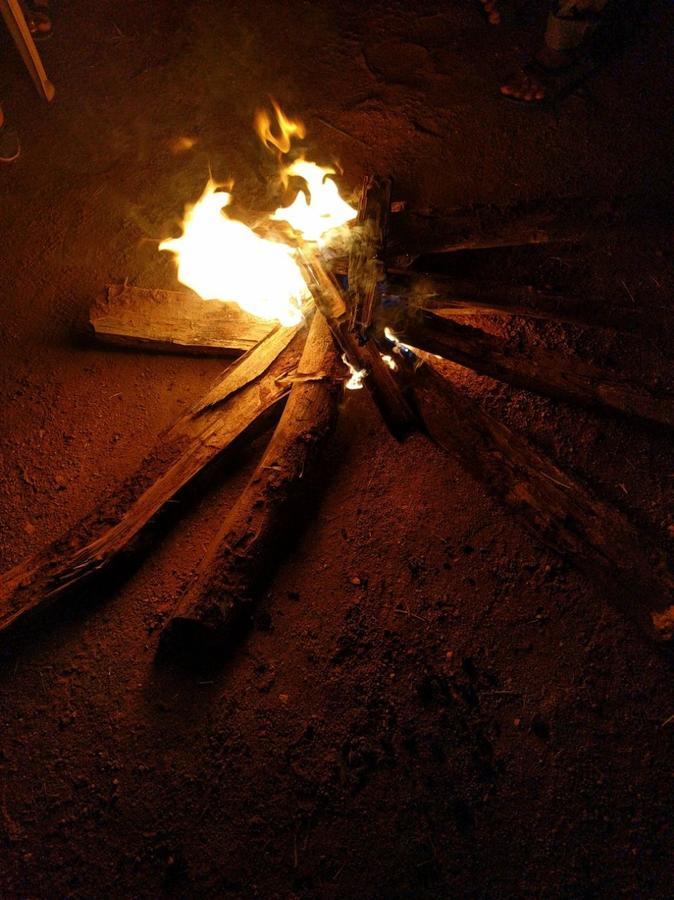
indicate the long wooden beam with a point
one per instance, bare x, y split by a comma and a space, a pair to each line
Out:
542, 371
487, 226
558, 509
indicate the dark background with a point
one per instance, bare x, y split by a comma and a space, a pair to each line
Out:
430, 704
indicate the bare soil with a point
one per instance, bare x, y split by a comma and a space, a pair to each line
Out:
430, 704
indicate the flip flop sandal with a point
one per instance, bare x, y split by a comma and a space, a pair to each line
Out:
10, 147
557, 83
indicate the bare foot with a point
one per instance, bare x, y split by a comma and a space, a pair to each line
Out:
524, 86
38, 19
492, 11
529, 86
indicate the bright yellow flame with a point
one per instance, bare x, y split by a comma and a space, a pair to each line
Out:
287, 128
323, 211
223, 259
390, 362
357, 377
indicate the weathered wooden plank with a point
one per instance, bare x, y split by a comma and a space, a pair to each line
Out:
173, 322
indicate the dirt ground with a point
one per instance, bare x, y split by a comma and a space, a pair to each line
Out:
430, 703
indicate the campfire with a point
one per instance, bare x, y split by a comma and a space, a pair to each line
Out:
317, 296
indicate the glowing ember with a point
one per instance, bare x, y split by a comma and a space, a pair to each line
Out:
390, 362
355, 382
223, 259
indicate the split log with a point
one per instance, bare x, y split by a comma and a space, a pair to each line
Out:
173, 322
542, 371
465, 297
555, 506
366, 257
197, 440
385, 390
449, 296
485, 226
240, 557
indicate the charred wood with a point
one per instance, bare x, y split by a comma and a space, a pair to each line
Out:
485, 226
366, 258
385, 389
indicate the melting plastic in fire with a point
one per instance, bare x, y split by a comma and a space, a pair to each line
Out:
221, 258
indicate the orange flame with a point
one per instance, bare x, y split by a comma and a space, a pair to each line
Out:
288, 129
223, 259
324, 209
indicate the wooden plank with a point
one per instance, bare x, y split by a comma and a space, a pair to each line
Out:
174, 322
487, 226
543, 371
448, 296
197, 440
247, 546
250, 366
557, 508
366, 257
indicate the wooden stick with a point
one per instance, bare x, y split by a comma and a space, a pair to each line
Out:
198, 439
16, 24
542, 371
554, 505
242, 554
173, 322
366, 257
386, 391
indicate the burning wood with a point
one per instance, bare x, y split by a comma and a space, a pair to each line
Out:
276, 278
386, 391
366, 269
